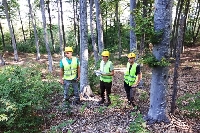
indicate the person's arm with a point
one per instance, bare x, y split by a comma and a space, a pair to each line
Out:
78, 70
61, 75
61, 72
139, 76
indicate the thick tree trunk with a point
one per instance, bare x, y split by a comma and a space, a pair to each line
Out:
63, 28
99, 26
5, 4
84, 48
45, 36
50, 25
35, 32
22, 25
133, 44
159, 82
94, 45
60, 31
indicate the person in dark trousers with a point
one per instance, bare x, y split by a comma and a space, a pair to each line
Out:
132, 77
106, 67
70, 74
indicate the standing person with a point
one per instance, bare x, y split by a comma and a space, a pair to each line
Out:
70, 74
132, 77
106, 67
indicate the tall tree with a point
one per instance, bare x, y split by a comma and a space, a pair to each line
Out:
159, 82
63, 27
94, 45
5, 4
21, 24
83, 46
99, 26
133, 44
50, 25
42, 5
59, 30
35, 31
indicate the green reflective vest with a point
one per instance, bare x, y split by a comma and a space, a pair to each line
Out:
70, 70
130, 78
106, 69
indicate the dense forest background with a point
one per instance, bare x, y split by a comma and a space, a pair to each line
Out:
164, 35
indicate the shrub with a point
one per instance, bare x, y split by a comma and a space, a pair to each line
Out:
23, 95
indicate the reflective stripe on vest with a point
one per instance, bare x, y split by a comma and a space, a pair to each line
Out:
70, 70
106, 69
130, 78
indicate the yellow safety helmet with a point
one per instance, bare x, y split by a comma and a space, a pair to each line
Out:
105, 53
131, 55
68, 49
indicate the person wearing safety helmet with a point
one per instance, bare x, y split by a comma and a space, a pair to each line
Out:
70, 74
132, 77
106, 67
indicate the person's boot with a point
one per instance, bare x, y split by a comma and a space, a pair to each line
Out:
101, 101
108, 103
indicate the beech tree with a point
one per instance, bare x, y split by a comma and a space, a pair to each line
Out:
159, 81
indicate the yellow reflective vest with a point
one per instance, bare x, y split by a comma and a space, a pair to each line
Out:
130, 77
70, 70
106, 69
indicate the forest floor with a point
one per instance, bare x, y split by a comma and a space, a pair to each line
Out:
89, 117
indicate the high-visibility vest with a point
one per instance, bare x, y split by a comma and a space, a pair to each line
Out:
106, 69
130, 77
70, 70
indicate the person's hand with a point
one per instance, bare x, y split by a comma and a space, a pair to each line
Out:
77, 79
134, 85
61, 81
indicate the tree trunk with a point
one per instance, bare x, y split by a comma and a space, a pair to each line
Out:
94, 45
133, 44
119, 42
5, 4
22, 25
196, 20
83, 46
45, 36
3, 40
35, 32
99, 26
63, 28
60, 31
159, 82
178, 49
50, 26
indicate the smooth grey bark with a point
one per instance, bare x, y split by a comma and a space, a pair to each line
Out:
159, 81
83, 46
50, 25
5, 4
35, 31
60, 31
99, 26
22, 25
177, 52
42, 6
133, 44
94, 45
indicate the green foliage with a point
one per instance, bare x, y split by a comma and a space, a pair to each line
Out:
138, 125
83, 107
60, 126
116, 101
151, 60
23, 94
190, 103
